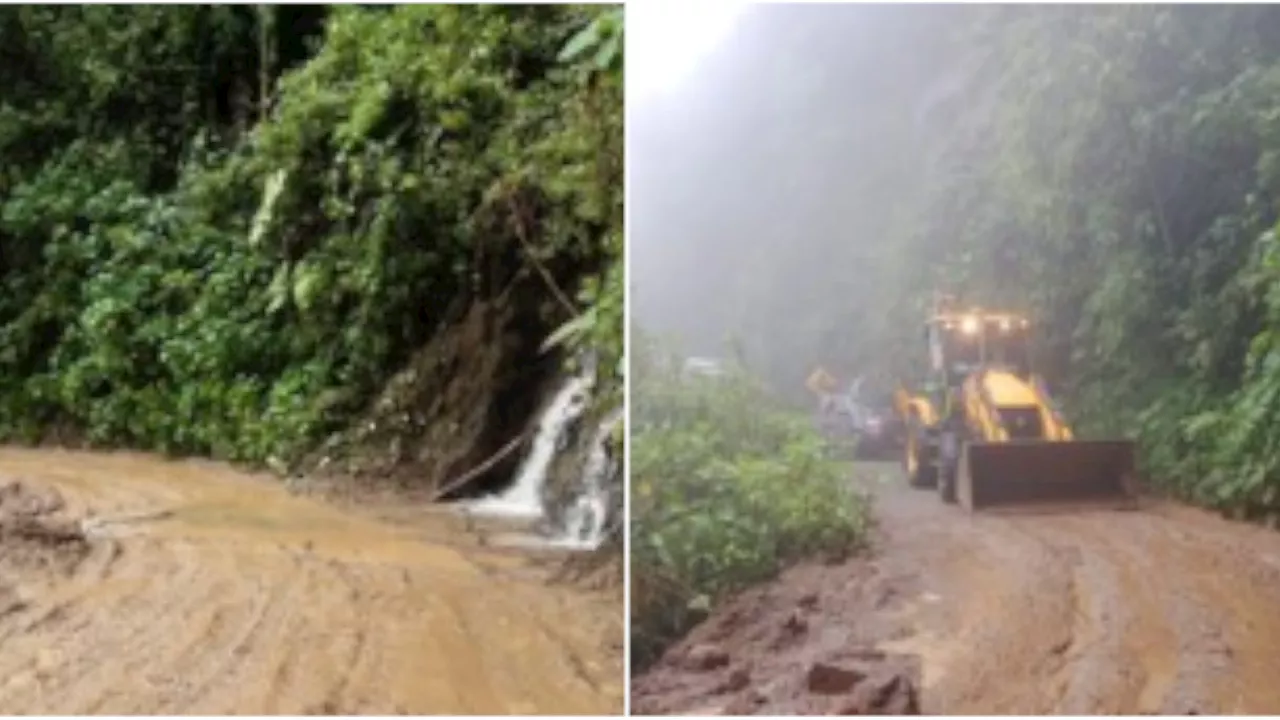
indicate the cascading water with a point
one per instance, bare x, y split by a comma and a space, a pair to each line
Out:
586, 520
583, 524
524, 498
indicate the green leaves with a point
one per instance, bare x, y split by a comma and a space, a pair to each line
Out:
176, 278
271, 193
727, 489
1120, 159
596, 190
602, 35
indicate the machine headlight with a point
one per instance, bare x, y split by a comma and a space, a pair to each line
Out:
970, 325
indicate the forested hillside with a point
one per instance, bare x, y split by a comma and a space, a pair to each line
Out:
1115, 172
1112, 170
224, 228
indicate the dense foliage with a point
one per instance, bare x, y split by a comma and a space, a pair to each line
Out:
1112, 170
727, 488
1119, 180
224, 227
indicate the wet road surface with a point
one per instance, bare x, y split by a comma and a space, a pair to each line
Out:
202, 590
1164, 609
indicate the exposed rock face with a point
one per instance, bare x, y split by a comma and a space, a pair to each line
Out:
460, 401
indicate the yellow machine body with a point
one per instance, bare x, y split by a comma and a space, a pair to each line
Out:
990, 436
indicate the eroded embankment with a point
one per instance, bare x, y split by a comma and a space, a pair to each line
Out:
131, 585
1161, 610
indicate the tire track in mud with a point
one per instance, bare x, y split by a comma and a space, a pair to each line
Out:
223, 594
1122, 657
1230, 574
1163, 601
1164, 610
1168, 636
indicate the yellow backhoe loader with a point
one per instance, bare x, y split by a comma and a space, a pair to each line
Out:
984, 431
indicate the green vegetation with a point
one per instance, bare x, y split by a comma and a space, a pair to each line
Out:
223, 228
1112, 170
727, 488
1121, 183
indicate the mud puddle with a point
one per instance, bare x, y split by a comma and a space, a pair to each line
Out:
1166, 610
140, 586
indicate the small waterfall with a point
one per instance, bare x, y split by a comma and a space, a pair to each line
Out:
586, 520
524, 498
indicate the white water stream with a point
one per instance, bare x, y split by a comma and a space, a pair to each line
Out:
523, 499
586, 520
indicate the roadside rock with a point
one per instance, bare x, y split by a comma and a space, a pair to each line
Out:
739, 679
893, 694
746, 704
706, 657
806, 645
795, 624
828, 679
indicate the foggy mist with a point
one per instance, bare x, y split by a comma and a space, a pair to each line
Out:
1103, 181
766, 178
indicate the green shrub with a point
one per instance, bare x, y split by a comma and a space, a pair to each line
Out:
257, 299
727, 489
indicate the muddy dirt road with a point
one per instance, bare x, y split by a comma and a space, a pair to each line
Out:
1160, 610
199, 590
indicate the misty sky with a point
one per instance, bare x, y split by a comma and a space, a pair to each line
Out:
664, 57
767, 147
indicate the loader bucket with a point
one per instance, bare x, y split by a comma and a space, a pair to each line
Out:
1043, 473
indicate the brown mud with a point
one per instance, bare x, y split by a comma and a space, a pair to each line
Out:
134, 585
1159, 610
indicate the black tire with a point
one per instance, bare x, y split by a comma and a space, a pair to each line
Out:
949, 461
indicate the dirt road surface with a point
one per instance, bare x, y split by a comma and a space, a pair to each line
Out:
198, 590
1164, 610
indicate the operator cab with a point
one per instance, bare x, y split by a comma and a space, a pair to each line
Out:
962, 342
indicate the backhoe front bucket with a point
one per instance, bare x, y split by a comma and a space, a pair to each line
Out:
1038, 473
